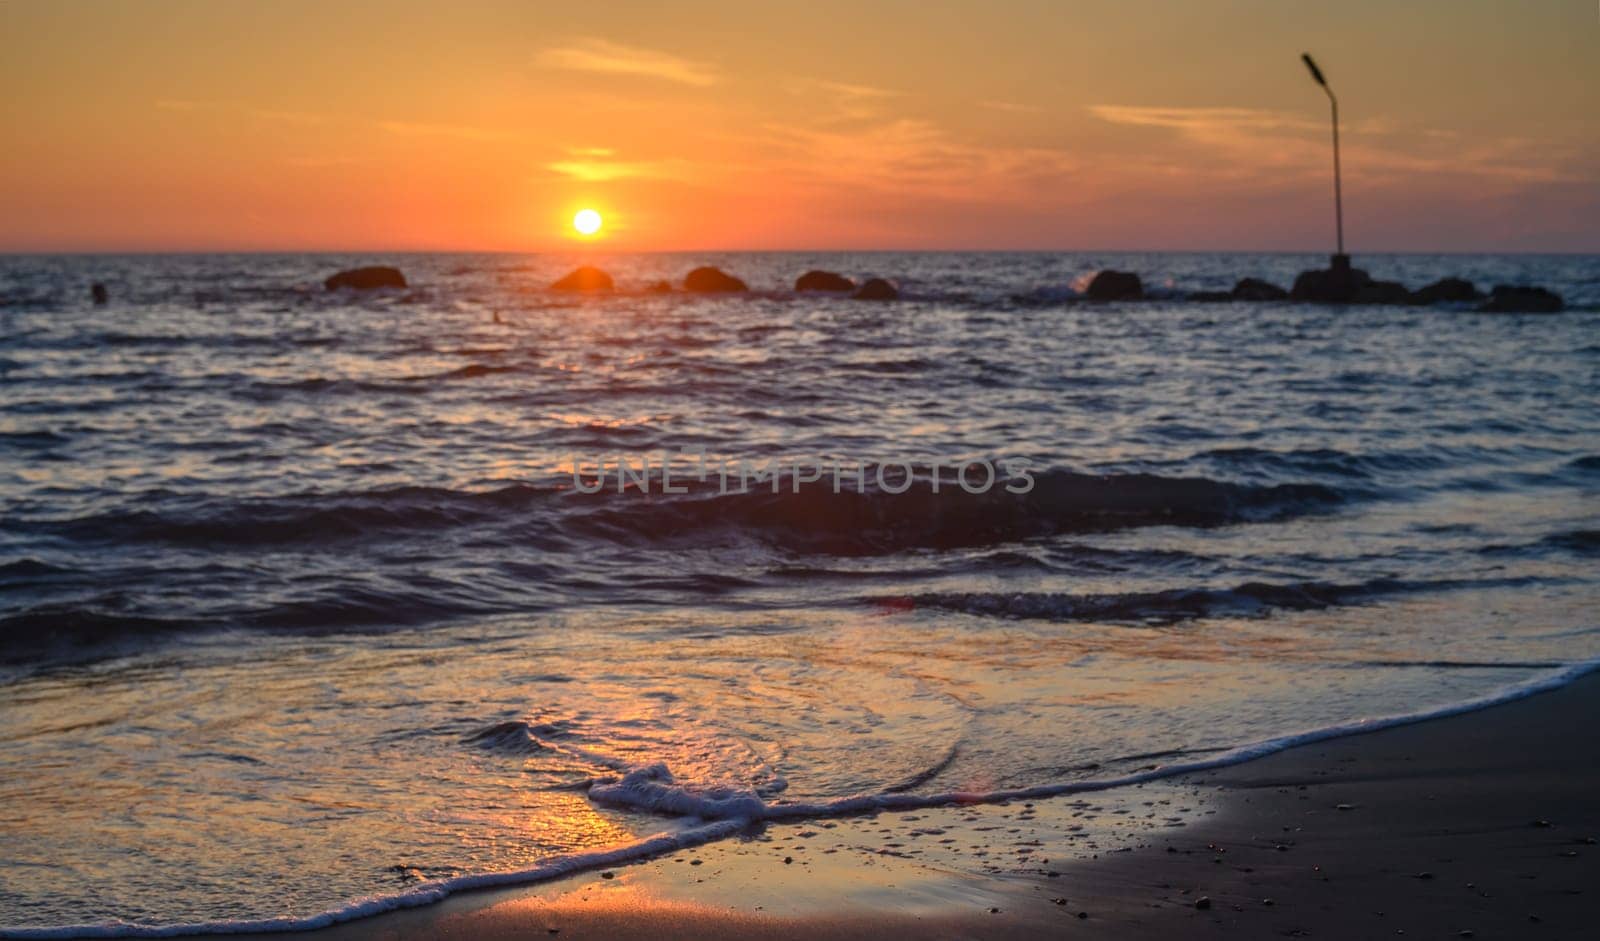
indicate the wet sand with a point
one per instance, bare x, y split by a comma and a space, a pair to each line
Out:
1481, 825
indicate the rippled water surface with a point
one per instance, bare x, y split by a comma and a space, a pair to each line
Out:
299, 604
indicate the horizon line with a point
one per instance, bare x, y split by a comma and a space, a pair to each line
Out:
113, 252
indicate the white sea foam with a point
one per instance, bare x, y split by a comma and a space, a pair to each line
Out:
716, 813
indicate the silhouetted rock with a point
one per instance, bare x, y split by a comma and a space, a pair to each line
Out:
877, 289
586, 278
1115, 286
660, 287
1382, 292
1254, 289
98, 293
1445, 291
367, 279
1336, 285
823, 281
1522, 299
1210, 297
712, 280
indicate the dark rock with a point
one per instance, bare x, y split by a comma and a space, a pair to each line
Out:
586, 278
877, 289
823, 281
1202, 903
1521, 299
1382, 292
1254, 289
712, 280
98, 292
660, 287
1115, 286
1445, 291
1338, 285
367, 279
1210, 297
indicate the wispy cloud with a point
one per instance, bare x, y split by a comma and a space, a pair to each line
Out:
314, 118
1011, 107
843, 101
596, 165
1258, 145
1199, 119
458, 131
913, 155
600, 55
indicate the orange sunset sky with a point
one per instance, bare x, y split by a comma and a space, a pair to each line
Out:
484, 124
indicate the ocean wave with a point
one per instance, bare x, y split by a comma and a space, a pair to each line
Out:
871, 522
1579, 542
45, 628
710, 814
309, 519
1251, 599
816, 519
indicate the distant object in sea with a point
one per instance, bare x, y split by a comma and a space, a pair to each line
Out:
1348, 285
823, 281
1446, 291
1383, 292
711, 281
586, 278
1522, 299
366, 279
660, 287
877, 289
1255, 289
1111, 285
98, 292
1337, 284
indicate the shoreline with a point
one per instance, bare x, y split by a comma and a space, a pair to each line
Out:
1480, 820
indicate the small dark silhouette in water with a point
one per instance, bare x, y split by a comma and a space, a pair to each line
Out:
1247, 289
1383, 292
660, 287
1337, 284
1446, 291
98, 292
877, 289
497, 317
587, 278
1255, 289
366, 279
1115, 286
823, 281
1522, 299
712, 281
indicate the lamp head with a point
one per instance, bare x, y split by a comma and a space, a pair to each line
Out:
1316, 73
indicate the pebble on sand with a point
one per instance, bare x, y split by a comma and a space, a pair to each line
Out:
1203, 902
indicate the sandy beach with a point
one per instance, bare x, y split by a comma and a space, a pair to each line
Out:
1480, 825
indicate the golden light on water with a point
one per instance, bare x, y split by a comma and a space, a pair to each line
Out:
587, 222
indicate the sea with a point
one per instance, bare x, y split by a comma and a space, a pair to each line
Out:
319, 603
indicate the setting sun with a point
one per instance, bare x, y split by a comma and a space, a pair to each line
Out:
587, 222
